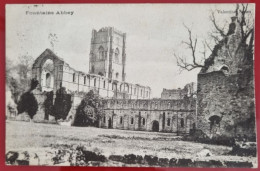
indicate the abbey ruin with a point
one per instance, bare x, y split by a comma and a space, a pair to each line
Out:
221, 103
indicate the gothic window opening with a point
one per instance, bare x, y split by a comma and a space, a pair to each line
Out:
132, 120
114, 86
143, 121
104, 119
117, 75
74, 77
48, 80
168, 122
182, 122
84, 79
95, 82
104, 84
121, 120
116, 55
101, 53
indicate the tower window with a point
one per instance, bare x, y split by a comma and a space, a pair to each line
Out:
93, 69
116, 55
101, 53
143, 121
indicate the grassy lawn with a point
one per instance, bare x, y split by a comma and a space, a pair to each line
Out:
26, 136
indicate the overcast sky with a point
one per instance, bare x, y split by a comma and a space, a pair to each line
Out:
154, 33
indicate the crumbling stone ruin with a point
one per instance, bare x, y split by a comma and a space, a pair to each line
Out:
225, 95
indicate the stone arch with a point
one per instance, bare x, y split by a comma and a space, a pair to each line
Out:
47, 76
121, 120
122, 87
114, 86
224, 68
155, 126
38, 69
110, 124
214, 124
126, 87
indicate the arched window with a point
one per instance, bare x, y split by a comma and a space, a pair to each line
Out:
143, 121
132, 120
104, 119
114, 86
101, 53
48, 80
104, 84
116, 55
95, 82
84, 79
121, 120
74, 77
182, 122
168, 122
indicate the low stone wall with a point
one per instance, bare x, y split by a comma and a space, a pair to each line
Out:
80, 156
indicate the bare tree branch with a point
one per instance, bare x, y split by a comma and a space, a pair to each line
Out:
220, 31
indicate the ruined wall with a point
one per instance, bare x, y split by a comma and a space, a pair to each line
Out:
229, 99
75, 81
188, 91
150, 115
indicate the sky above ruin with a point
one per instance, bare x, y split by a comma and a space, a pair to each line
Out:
154, 33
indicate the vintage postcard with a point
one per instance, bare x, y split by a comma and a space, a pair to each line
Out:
130, 85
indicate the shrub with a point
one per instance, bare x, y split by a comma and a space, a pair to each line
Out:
28, 102
89, 111
62, 104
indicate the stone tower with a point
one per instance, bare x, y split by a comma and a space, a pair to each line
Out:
107, 53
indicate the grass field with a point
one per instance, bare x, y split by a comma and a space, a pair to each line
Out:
38, 137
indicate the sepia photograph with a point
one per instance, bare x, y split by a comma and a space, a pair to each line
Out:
130, 85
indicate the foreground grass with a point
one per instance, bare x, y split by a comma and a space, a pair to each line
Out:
26, 135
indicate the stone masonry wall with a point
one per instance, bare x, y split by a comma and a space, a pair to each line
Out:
228, 98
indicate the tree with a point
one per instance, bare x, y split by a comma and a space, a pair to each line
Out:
18, 75
28, 102
62, 104
89, 112
218, 35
